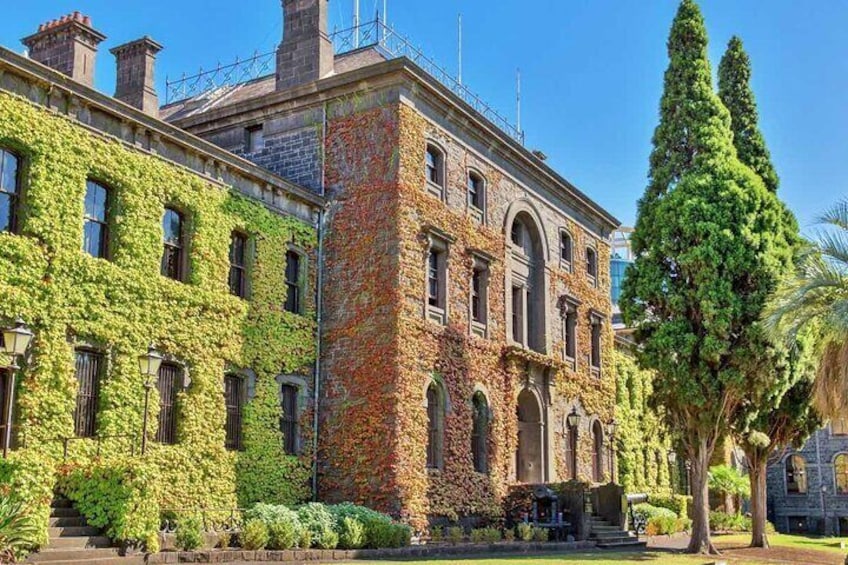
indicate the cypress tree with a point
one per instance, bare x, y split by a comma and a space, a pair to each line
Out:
780, 412
710, 245
734, 89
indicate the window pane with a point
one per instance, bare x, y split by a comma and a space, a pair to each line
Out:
433, 278
92, 238
95, 201
293, 282
9, 174
172, 227
6, 207
237, 246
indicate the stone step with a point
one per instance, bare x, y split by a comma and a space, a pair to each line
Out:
60, 502
64, 513
628, 544
71, 531
73, 556
607, 535
80, 542
64, 522
610, 528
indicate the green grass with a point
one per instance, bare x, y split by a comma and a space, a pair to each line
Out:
828, 546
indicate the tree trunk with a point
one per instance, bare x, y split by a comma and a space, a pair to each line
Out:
701, 541
729, 506
757, 475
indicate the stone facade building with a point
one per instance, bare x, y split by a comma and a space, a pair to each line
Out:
466, 303
808, 487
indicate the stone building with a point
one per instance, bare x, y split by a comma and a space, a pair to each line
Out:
117, 230
808, 487
466, 296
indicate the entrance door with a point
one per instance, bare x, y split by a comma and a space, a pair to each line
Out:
529, 455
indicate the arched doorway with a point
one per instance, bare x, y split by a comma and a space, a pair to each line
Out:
528, 457
598, 452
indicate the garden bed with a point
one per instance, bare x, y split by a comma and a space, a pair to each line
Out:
416, 551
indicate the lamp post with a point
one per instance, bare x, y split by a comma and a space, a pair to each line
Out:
672, 467
16, 341
612, 427
148, 364
573, 421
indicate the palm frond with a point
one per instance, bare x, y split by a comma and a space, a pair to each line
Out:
836, 216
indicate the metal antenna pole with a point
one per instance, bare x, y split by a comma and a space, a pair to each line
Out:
518, 99
459, 77
355, 24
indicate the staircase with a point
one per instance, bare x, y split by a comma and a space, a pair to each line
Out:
612, 537
72, 540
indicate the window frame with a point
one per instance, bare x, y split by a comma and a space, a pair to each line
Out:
168, 435
480, 426
569, 309
436, 276
240, 270
180, 248
15, 198
295, 288
566, 260
436, 411
437, 187
250, 145
105, 225
234, 412
518, 314
478, 210
88, 429
479, 297
592, 265
596, 356
290, 423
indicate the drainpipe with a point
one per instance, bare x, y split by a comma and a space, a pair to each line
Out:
319, 306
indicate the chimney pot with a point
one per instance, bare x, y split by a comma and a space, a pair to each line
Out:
66, 45
136, 85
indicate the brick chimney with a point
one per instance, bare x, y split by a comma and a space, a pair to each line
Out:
135, 83
306, 53
68, 45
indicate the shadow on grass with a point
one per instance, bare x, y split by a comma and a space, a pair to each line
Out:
581, 556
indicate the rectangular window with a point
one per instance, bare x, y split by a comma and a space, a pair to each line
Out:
238, 266
293, 282
518, 314
89, 372
9, 191
479, 297
95, 240
569, 333
437, 281
6, 394
596, 345
592, 265
255, 138
169, 384
565, 248
234, 400
288, 418
173, 244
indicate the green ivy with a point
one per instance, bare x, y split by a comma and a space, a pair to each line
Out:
123, 304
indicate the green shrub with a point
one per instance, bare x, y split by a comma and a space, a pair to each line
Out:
225, 540
485, 535
283, 534
119, 497
678, 503
389, 535
540, 534
726, 480
524, 531
17, 532
509, 535
320, 522
724, 522
455, 534
663, 525
477, 535
437, 534
189, 534
646, 512
377, 526
305, 541
351, 533
270, 513
254, 535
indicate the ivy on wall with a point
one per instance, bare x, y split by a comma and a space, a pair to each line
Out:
642, 440
121, 305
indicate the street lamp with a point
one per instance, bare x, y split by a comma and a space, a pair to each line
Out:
148, 365
672, 467
573, 419
612, 427
16, 340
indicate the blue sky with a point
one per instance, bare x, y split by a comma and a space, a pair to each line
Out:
591, 71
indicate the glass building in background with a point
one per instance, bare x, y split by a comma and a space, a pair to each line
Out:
620, 257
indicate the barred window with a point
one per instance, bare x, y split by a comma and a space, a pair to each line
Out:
293, 282
10, 188
288, 418
95, 239
174, 244
89, 372
435, 426
6, 395
480, 433
238, 264
169, 384
234, 401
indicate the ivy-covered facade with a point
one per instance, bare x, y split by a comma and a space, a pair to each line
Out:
89, 264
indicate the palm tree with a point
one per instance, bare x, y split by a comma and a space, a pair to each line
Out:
815, 300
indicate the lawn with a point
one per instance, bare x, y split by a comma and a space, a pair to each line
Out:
785, 550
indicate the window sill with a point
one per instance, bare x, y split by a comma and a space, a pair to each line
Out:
595, 372
565, 265
437, 315
570, 362
479, 329
436, 190
476, 214
592, 280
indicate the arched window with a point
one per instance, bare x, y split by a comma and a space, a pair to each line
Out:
293, 282
529, 454
796, 475
174, 245
528, 282
592, 264
289, 418
597, 452
566, 248
480, 432
435, 426
234, 393
10, 190
435, 170
840, 473
95, 240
